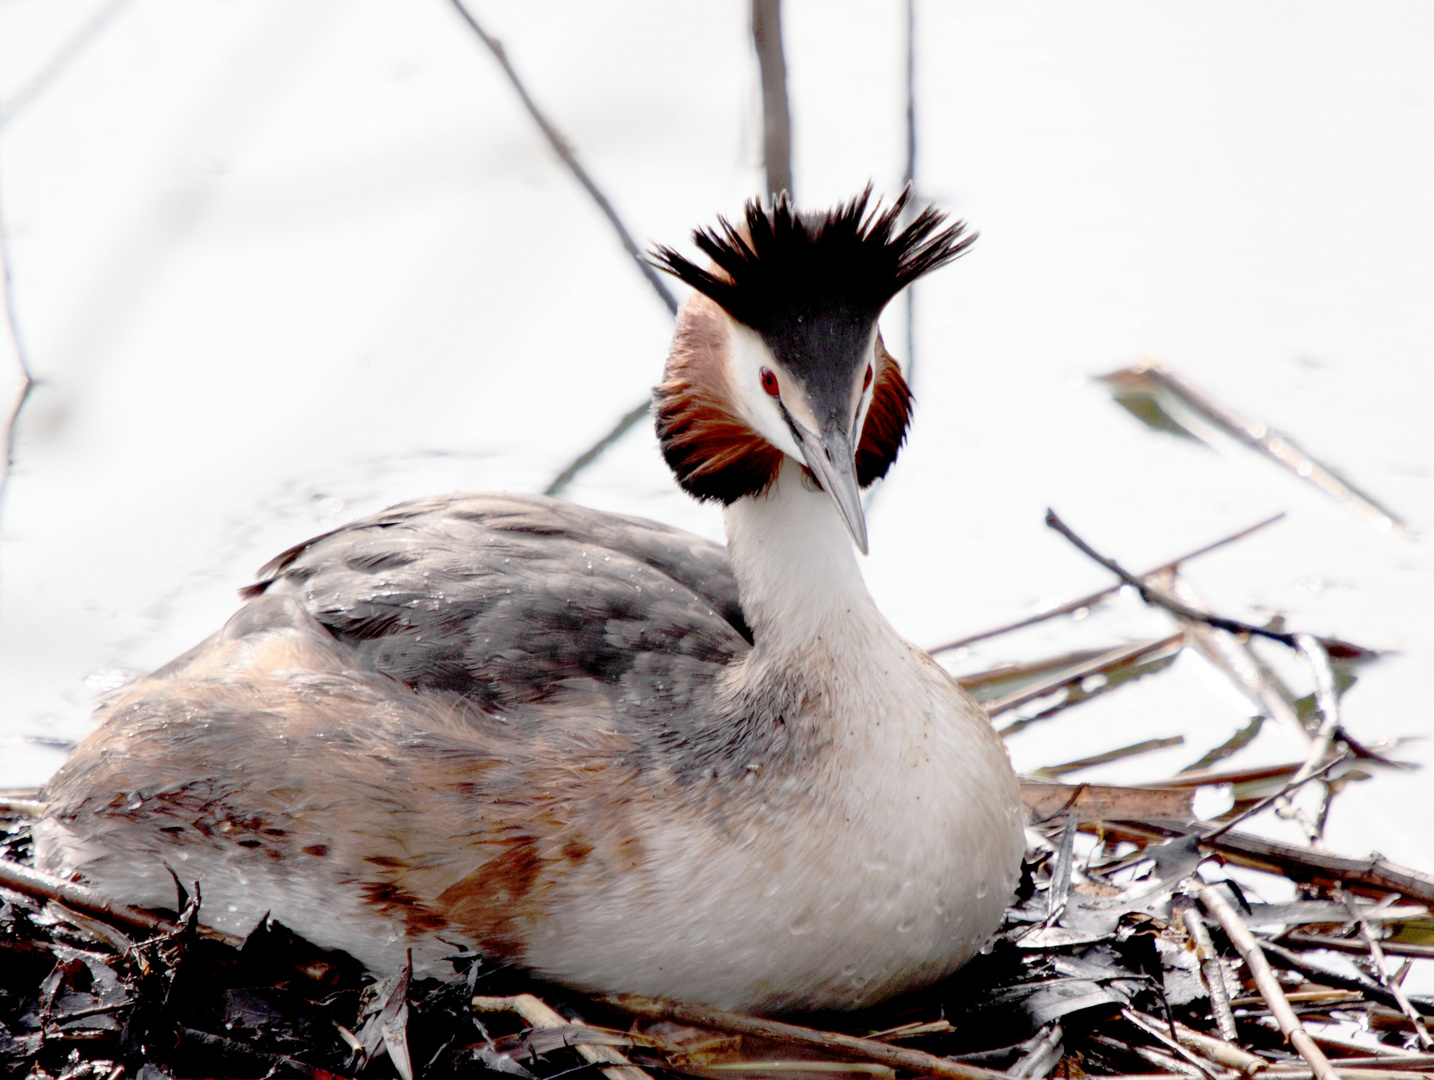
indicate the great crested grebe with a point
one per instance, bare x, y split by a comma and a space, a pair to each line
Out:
598, 747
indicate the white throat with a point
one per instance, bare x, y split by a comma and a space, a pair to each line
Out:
796, 567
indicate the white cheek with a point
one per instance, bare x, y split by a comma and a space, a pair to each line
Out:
864, 403
746, 357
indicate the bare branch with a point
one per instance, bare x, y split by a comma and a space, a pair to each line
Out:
776, 116
56, 65
1158, 599
1096, 597
44, 886
564, 151
593, 452
17, 351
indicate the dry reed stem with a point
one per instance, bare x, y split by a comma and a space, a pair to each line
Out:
1227, 653
917, 1061
1145, 746
88, 901
1212, 972
1376, 954
1097, 666
1327, 699
539, 1014
1219, 1050
1269, 986
1171, 1041
1172, 387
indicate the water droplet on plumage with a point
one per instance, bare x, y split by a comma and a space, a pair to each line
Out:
982, 888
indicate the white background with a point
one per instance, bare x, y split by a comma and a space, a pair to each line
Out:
278, 263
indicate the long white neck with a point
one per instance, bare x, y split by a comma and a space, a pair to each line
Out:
797, 574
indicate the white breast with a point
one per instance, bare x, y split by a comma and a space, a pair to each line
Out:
886, 871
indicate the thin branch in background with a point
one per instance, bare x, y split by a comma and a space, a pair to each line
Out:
776, 152
908, 178
561, 148
776, 114
1096, 597
17, 350
596, 450
648, 271
63, 57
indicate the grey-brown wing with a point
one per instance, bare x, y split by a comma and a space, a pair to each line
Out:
515, 601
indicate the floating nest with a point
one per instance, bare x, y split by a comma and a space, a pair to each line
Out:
1136, 944
1127, 952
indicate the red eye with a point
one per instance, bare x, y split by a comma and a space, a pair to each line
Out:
769, 383
866, 381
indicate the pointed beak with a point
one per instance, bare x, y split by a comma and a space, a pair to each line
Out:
832, 458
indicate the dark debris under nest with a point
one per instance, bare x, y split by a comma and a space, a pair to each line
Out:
1105, 965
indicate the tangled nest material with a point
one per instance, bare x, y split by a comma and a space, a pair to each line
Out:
1138, 957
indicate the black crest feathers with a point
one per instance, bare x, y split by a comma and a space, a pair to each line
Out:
852, 258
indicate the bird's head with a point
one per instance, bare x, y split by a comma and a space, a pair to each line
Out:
777, 351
